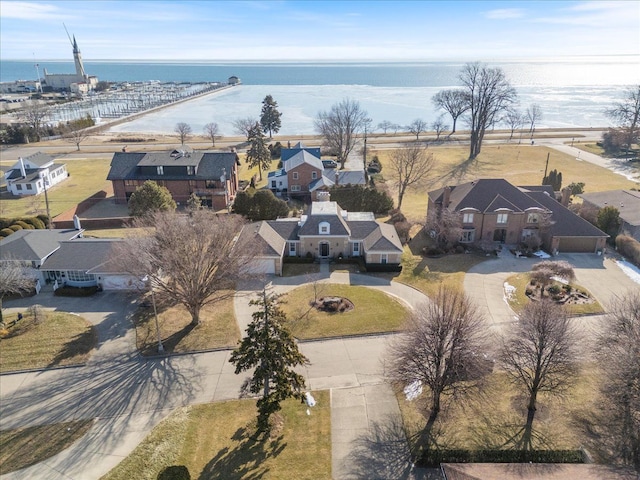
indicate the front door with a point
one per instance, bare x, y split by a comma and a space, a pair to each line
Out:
324, 249
500, 235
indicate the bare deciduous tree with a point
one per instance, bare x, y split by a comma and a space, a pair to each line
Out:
243, 126
443, 348
490, 95
540, 356
417, 127
514, 120
193, 260
15, 278
444, 226
35, 115
627, 114
534, 115
183, 130
454, 102
410, 166
212, 131
75, 134
543, 272
340, 127
619, 358
385, 125
439, 126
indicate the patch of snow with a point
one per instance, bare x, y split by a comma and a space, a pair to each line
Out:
310, 400
413, 390
541, 254
561, 280
629, 270
509, 291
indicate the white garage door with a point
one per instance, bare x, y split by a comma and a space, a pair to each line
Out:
119, 282
267, 265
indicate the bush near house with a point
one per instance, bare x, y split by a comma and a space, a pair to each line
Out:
433, 458
10, 225
629, 247
75, 291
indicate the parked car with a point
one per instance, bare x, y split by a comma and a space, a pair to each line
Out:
329, 164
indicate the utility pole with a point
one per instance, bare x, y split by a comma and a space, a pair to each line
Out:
45, 180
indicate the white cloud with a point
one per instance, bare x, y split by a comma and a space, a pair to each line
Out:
32, 11
597, 14
504, 13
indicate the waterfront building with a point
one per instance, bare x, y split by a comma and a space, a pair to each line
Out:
78, 82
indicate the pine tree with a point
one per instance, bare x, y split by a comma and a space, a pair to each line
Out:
270, 348
258, 154
270, 116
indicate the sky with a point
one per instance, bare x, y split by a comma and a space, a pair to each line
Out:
317, 30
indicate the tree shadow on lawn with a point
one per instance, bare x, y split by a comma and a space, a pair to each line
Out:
76, 349
246, 460
458, 172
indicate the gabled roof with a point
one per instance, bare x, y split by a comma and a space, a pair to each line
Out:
210, 165
486, 195
321, 182
351, 177
626, 201
383, 239
303, 156
329, 212
287, 228
265, 240
39, 158
565, 223
32, 174
91, 255
361, 229
34, 245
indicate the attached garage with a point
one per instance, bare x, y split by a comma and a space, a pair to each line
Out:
119, 282
263, 266
579, 244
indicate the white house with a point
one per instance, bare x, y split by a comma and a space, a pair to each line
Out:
32, 174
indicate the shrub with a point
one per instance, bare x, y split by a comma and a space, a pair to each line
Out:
44, 219
24, 225
567, 288
459, 249
36, 222
15, 227
5, 232
68, 291
629, 247
554, 289
433, 458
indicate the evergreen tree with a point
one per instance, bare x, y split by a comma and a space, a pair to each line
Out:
554, 179
270, 116
270, 349
609, 221
194, 202
150, 198
258, 154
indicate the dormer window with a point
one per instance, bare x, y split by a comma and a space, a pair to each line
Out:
324, 228
160, 170
191, 170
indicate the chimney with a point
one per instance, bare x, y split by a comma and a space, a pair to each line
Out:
23, 172
76, 222
322, 196
566, 195
446, 194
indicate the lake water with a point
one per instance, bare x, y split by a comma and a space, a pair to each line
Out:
572, 92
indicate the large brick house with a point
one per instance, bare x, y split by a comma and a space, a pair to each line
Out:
495, 211
303, 174
213, 176
327, 231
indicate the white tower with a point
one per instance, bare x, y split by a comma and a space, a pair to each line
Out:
77, 58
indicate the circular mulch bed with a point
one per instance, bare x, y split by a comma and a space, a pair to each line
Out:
333, 304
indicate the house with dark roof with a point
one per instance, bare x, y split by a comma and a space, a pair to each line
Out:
31, 175
326, 231
627, 202
495, 211
303, 174
213, 176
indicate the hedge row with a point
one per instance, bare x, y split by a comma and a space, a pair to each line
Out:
433, 458
11, 225
75, 291
629, 247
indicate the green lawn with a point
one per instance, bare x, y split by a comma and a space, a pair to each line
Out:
56, 339
213, 441
374, 312
519, 164
217, 329
87, 177
23, 447
519, 299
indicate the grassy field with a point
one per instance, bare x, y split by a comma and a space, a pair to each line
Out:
214, 441
519, 164
519, 299
490, 419
218, 328
23, 447
55, 339
87, 177
374, 312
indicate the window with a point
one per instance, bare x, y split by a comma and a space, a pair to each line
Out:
273, 184
191, 170
160, 170
502, 218
467, 236
356, 248
324, 228
295, 188
467, 218
314, 175
39, 185
28, 185
79, 276
294, 175
18, 187
292, 248
383, 258
210, 184
193, 183
533, 218
131, 183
